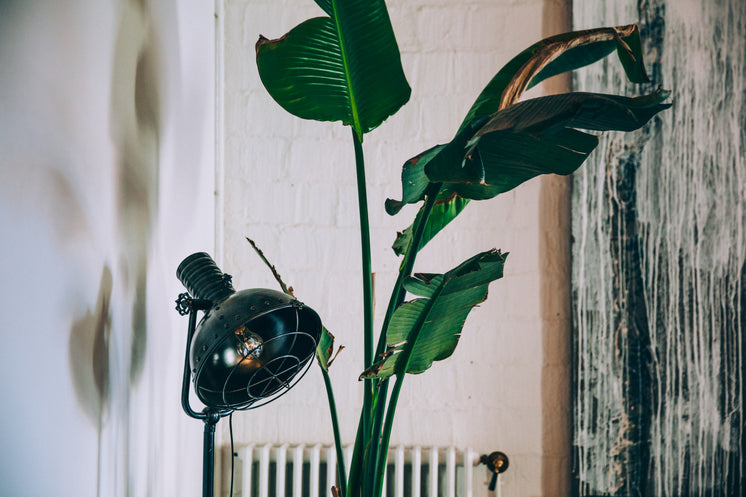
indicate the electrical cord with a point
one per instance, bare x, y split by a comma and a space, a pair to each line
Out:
233, 454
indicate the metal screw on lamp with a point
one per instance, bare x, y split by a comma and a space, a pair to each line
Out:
249, 348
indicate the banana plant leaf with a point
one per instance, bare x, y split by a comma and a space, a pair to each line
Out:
414, 180
427, 329
343, 67
325, 353
539, 136
555, 55
447, 206
549, 57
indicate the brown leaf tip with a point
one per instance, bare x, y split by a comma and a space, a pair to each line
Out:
330, 361
260, 42
263, 40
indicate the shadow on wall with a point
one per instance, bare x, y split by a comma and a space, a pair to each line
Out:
135, 124
81, 144
89, 353
134, 129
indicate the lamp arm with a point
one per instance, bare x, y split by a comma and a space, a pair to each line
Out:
209, 415
187, 375
187, 305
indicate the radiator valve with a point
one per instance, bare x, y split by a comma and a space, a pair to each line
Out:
497, 462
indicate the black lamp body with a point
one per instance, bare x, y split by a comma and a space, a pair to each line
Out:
249, 345
249, 348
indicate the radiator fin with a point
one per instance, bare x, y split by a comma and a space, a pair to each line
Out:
311, 470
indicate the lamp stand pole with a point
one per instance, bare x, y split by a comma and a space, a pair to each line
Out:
208, 451
210, 416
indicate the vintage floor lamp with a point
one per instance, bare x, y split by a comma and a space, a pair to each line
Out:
249, 348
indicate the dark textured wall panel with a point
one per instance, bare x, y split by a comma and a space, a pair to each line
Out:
659, 247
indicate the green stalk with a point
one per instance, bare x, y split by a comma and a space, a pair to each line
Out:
381, 443
384, 448
367, 275
397, 296
337, 438
379, 402
353, 484
362, 198
391, 410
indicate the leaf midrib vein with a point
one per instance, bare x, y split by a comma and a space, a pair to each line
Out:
346, 65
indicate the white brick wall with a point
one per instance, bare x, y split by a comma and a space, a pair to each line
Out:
290, 185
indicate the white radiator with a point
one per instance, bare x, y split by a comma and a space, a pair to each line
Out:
310, 471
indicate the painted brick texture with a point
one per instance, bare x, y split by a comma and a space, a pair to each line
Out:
290, 186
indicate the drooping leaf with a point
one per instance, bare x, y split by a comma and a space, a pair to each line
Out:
413, 180
427, 329
592, 111
403, 240
344, 67
509, 159
521, 142
538, 136
447, 206
325, 353
555, 55
551, 56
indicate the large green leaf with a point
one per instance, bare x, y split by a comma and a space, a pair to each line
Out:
344, 67
538, 136
325, 353
518, 143
413, 179
447, 206
555, 55
551, 56
592, 111
427, 329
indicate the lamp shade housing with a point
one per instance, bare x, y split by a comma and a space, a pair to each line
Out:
251, 346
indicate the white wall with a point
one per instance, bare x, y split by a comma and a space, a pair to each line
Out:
106, 150
290, 186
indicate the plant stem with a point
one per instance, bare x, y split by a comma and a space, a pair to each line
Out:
381, 443
362, 198
386, 436
353, 484
337, 438
391, 410
375, 451
397, 295
378, 405
367, 276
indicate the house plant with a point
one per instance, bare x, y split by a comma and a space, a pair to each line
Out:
345, 66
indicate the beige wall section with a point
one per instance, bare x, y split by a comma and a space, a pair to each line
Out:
554, 249
290, 185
